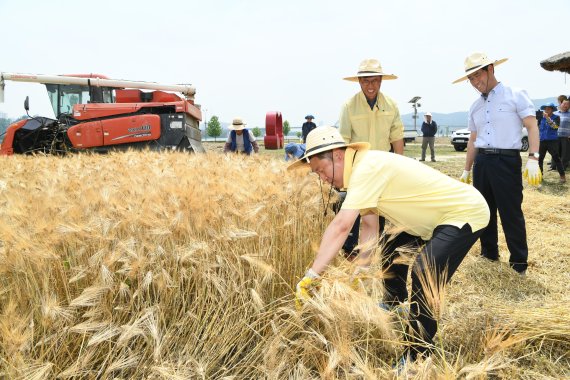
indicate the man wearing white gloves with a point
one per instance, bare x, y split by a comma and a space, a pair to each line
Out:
493, 150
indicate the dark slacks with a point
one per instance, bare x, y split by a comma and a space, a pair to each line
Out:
564, 153
432, 269
352, 239
431, 142
498, 178
564, 144
550, 146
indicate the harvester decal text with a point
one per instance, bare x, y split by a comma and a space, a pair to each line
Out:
136, 132
141, 128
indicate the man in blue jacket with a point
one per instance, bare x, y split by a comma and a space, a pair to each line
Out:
429, 129
548, 130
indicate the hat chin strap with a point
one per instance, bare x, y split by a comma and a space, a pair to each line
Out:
326, 207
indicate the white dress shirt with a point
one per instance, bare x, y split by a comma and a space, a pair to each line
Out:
498, 119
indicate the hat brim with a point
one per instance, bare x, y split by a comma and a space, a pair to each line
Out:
362, 75
303, 161
237, 127
467, 73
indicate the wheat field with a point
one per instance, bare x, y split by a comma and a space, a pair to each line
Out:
144, 265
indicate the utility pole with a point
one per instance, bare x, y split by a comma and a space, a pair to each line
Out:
205, 122
415, 105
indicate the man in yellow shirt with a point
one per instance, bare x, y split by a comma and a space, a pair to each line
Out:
440, 214
372, 117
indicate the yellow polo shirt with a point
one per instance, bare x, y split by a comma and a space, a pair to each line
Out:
379, 126
411, 195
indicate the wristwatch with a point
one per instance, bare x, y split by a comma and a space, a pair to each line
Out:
535, 155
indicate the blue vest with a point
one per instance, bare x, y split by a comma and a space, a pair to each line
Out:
546, 132
246, 143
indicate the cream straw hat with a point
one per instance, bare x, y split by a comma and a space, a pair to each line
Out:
322, 139
370, 68
477, 61
237, 124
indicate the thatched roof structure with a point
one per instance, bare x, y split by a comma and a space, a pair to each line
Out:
560, 62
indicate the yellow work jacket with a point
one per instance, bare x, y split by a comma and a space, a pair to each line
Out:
379, 126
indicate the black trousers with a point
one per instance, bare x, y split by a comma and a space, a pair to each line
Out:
564, 150
550, 146
564, 144
498, 178
432, 269
352, 239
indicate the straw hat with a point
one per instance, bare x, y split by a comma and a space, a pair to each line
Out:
370, 68
322, 139
477, 61
237, 124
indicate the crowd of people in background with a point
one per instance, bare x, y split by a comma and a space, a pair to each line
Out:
556, 130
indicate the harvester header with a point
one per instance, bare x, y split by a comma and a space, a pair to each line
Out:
94, 80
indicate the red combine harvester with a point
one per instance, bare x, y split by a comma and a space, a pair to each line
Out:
100, 114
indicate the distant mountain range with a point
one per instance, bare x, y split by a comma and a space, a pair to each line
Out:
447, 121
455, 120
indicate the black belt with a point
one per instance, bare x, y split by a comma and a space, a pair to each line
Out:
503, 152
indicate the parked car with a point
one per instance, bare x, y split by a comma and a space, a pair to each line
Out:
410, 135
460, 137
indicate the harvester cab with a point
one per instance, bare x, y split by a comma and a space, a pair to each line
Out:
100, 114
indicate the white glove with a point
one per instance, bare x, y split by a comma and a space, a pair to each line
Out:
466, 177
532, 173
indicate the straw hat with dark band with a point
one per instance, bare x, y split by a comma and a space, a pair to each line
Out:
475, 62
370, 68
322, 139
237, 124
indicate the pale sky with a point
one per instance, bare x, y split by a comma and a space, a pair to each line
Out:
250, 57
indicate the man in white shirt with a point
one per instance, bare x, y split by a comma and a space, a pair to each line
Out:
495, 121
